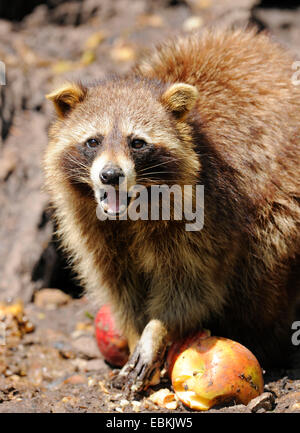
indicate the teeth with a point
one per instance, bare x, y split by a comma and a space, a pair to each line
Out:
111, 212
107, 209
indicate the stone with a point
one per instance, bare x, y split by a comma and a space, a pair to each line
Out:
264, 401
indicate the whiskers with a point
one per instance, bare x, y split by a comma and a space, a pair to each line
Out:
169, 160
77, 171
166, 173
165, 179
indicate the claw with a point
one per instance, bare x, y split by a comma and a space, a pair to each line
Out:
145, 361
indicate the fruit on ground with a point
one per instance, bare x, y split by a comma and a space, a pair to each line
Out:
206, 371
112, 345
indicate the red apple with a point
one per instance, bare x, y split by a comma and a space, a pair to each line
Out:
206, 371
112, 345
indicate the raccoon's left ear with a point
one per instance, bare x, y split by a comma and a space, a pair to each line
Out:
66, 97
180, 98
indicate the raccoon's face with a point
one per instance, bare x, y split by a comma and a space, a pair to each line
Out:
120, 134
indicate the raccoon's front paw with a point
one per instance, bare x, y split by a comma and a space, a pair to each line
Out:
143, 367
138, 373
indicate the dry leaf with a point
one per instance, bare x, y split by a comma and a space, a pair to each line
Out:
94, 40
88, 57
102, 387
123, 52
84, 326
15, 310
63, 66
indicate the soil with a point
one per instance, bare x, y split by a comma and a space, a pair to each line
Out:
49, 360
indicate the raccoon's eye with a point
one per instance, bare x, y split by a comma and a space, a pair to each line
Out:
137, 143
92, 143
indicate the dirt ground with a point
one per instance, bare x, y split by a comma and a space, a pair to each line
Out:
49, 360
51, 363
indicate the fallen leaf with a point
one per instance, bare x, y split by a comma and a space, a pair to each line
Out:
94, 40
123, 52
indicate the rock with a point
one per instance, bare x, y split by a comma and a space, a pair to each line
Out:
95, 365
7, 104
264, 401
222, 14
86, 347
24, 230
37, 18
136, 405
237, 408
7, 163
79, 364
192, 23
75, 379
51, 298
296, 407
284, 24
289, 402
65, 349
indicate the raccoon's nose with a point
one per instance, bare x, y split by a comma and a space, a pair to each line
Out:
111, 175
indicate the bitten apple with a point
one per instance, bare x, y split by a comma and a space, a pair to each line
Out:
112, 345
206, 371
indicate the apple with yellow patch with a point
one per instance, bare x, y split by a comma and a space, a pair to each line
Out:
206, 371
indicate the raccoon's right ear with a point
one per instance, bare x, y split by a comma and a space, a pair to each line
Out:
66, 97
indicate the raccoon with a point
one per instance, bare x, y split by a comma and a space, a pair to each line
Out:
218, 110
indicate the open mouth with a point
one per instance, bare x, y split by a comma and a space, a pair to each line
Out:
114, 202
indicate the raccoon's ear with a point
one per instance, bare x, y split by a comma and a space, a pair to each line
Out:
180, 98
66, 97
